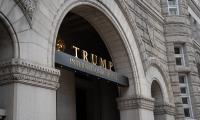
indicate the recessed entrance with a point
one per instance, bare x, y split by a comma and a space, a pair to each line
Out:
83, 96
95, 99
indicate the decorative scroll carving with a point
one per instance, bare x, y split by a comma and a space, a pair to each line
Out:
28, 7
21, 71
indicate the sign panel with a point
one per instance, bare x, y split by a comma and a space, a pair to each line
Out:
89, 68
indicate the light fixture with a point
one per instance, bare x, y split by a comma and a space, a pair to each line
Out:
60, 44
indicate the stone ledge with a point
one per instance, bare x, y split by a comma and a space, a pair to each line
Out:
21, 71
164, 109
183, 69
135, 103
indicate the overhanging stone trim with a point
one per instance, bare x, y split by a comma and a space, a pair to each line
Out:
164, 109
135, 103
21, 71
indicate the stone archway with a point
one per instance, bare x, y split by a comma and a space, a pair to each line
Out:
163, 108
80, 95
119, 40
110, 36
109, 21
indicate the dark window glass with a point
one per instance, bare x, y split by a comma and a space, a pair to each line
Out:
181, 79
198, 69
178, 61
185, 100
177, 50
172, 2
183, 90
187, 112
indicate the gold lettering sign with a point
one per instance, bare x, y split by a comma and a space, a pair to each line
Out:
94, 59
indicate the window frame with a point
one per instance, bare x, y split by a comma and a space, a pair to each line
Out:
186, 95
176, 6
188, 111
181, 55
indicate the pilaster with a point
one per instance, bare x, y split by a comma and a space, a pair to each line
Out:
139, 108
28, 90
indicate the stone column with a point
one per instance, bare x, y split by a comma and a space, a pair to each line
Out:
28, 91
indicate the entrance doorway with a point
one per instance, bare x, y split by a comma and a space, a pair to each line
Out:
82, 96
95, 99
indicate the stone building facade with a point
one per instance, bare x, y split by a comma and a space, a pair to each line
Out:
154, 43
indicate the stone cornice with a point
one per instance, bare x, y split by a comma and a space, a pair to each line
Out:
135, 103
196, 8
28, 7
21, 71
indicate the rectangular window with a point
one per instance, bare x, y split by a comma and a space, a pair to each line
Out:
179, 55
173, 11
172, 2
185, 100
182, 79
173, 7
185, 94
177, 50
179, 61
187, 112
183, 90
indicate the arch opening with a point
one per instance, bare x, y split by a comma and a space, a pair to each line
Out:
88, 96
156, 93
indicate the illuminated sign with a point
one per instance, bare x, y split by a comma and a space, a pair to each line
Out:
92, 58
73, 62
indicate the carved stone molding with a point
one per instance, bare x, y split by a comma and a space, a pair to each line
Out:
164, 109
21, 71
28, 7
135, 103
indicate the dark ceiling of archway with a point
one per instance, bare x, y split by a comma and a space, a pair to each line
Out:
6, 44
75, 30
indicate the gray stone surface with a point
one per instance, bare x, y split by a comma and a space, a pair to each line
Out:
140, 37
